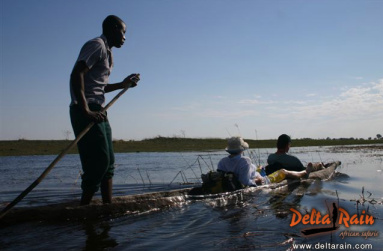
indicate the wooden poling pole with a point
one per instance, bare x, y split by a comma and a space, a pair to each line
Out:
57, 159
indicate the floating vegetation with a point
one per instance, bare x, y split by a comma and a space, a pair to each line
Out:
363, 201
359, 148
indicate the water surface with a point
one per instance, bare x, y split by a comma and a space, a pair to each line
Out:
252, 221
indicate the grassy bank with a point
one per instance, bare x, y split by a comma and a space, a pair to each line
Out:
159, 144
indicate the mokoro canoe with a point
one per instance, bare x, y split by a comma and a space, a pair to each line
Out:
131, 204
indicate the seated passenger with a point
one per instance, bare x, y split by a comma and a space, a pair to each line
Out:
246, 172
238, 164
281, 159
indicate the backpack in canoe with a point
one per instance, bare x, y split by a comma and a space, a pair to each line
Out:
220, 182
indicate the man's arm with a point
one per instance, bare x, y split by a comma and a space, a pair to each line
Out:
128, 82
77, 82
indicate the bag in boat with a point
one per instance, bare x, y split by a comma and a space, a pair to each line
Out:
219, 182
273, 168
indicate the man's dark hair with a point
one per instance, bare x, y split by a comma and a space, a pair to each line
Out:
110, 23
283, 141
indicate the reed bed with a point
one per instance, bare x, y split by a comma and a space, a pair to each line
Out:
160, 144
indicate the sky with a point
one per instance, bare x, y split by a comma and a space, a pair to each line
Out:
209, 69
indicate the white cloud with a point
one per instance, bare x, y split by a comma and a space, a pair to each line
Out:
355, 92
190, 107
219, 97
255, 102
354, 109
355, 78
164, 115
356, 103
311, 95
210, 113
378, 86
344, 88
297, 102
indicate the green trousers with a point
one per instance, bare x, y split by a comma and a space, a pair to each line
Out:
95, 148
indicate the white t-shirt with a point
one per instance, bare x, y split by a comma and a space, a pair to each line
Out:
98, 57
242, 168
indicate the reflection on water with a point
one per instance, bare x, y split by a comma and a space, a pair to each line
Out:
257, 220
97, 236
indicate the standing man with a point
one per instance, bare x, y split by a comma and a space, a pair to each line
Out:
88, 84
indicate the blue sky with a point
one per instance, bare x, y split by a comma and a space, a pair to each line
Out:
305, 68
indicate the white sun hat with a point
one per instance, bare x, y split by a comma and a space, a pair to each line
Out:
236, 144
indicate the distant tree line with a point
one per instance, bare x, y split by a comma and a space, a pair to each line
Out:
378, 137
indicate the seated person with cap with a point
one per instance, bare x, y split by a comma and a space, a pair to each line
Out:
281, 159
246, 172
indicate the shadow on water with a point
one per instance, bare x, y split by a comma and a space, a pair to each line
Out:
97, 236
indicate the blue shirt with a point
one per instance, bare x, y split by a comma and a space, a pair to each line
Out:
242, 168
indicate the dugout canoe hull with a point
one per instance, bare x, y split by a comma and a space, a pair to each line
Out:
131, 204
325, 174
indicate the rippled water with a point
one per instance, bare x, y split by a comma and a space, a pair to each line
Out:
256, 220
